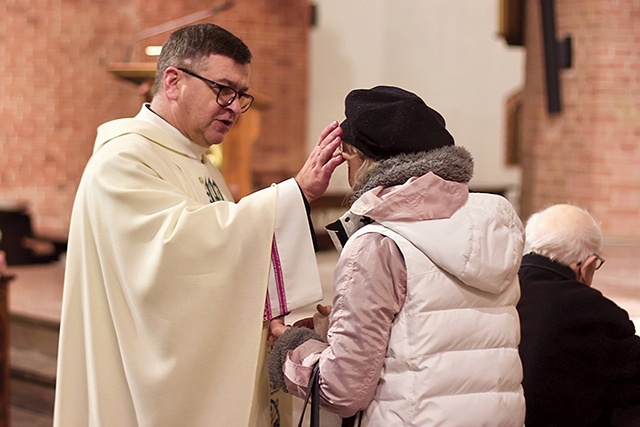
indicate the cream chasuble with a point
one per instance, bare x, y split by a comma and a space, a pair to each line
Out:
166, 282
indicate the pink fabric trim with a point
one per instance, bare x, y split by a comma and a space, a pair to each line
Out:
268, 314
279, 277
279, 280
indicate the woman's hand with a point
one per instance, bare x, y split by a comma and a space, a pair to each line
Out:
307, 322
277, 327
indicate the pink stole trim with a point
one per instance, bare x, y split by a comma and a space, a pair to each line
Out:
276, 264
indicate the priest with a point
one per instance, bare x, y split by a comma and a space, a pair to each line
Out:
169, 282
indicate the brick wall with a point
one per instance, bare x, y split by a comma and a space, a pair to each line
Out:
588, 154
56, 88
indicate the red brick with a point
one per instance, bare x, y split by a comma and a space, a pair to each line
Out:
57, 90
589, 153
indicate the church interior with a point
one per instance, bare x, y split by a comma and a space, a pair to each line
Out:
567, 131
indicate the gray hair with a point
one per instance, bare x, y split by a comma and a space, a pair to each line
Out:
564, 233
192, 45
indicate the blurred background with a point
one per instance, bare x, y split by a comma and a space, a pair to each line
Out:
70, 65
545, 95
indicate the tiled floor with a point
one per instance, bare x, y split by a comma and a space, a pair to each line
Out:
37, 290
23, 418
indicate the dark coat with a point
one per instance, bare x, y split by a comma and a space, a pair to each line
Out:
580, 354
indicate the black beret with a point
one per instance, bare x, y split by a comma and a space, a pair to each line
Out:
385, 121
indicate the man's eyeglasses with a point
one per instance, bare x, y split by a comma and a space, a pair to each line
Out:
598, 262
225, 94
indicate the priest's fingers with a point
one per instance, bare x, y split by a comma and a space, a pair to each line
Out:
315, 174
329, 132
328, 143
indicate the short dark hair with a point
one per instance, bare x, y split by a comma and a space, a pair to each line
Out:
190, 46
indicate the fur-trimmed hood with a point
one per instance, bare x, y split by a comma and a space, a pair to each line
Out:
408, 187
414, 187
425, 198
451, 163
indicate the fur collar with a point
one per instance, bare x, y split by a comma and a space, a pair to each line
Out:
452, 163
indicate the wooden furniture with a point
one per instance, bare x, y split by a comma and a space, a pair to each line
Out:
20, 243
511, 22
140, 74
4, 351
236, 149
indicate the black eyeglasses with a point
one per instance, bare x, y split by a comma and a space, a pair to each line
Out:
225, 94
599, 261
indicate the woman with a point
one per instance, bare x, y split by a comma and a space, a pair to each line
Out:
423, 329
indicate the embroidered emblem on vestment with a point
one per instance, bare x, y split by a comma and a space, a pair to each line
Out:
214, 193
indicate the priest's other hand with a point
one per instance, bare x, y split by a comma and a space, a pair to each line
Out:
277, 327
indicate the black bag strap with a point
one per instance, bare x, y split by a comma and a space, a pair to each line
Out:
351, 421
313, 392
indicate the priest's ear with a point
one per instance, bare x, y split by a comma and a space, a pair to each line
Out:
171, 82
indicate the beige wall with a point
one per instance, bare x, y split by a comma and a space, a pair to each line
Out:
448, 52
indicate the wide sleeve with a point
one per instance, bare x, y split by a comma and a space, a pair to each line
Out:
294, 280
370, 287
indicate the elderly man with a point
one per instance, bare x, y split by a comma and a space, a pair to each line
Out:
579, 351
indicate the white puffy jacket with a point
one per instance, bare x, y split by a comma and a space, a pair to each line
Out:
424, 330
